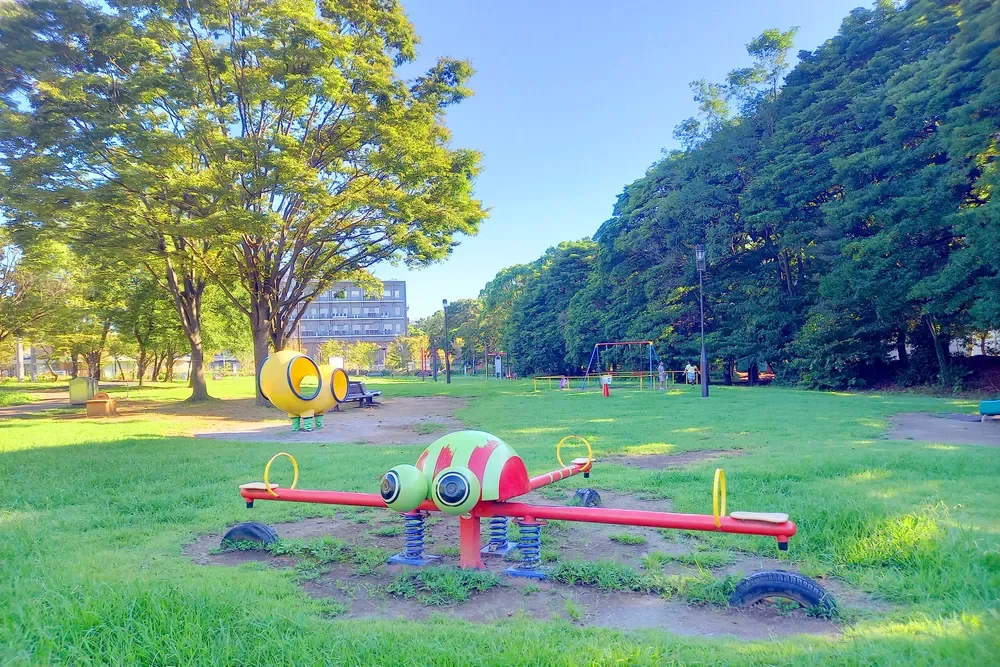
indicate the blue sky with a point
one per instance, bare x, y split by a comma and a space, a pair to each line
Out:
574, 100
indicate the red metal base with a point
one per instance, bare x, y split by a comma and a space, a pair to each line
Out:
469, 531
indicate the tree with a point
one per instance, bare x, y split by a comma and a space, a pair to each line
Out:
362, 355
31, 285
846, 207
535, 332
270, 145
333, 348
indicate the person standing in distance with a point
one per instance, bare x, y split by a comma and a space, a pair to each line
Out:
663, 376
691, 370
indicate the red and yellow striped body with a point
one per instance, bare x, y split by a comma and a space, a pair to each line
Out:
496, 465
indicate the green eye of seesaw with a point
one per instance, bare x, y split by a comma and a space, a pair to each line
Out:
456, 490
403, 488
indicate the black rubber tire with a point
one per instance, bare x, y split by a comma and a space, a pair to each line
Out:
782, 584
251, 531
587, 498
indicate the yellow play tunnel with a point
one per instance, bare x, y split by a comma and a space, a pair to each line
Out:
295, 383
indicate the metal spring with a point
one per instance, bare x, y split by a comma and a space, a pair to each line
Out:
498, 531
530, 545
413, 534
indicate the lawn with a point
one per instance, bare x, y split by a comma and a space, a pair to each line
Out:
95, 514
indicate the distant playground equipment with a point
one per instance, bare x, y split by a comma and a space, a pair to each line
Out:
989, 409
102, 405
608, 359
302, 388
475, 475
81, 390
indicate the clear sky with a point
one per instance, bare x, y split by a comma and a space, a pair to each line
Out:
574, 99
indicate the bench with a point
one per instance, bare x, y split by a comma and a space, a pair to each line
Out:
989, 409
356, 392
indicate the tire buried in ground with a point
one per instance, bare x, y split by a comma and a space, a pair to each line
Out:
257, 533
782, 584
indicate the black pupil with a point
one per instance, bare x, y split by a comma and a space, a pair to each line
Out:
388, 487
453, 488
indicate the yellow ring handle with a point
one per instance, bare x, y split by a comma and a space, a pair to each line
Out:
590, 452
267, 469
717, 486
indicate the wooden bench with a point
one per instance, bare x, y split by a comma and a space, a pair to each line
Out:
356, 392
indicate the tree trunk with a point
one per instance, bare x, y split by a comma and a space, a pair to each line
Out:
140, 365
94, 364
753, 373
727, 372
74, 364
199, 388
942, 357
170, 356
904, 357
19, 353
187, 294
260, 324
157, 364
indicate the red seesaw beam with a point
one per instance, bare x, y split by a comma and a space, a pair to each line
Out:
645, 518
326, 498
704, 522
556, 475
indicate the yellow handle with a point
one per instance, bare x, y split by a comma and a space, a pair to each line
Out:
717, 487
267, 469
590, 452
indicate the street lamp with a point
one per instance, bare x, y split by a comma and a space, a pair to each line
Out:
447, 342
699, 251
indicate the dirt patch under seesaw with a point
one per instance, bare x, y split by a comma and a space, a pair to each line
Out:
366, 595
394, 421
664, 461
946, 429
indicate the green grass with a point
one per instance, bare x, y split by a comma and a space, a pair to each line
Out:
440, 586
612, 576
13, 397
426, 428
95, 514
627, 538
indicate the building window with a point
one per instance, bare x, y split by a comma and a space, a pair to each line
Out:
398, 293
397, 327
397, 310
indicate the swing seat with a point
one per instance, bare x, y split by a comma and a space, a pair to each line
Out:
256, 486
768, 517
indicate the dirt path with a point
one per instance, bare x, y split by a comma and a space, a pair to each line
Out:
944, 429
396, 421
663, 461
41, 400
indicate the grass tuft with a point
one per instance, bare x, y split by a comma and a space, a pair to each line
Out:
443, 585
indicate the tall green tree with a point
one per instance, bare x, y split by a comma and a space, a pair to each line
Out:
270, 144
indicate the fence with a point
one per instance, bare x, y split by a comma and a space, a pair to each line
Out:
640, 380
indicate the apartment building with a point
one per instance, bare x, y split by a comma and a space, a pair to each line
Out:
347, 313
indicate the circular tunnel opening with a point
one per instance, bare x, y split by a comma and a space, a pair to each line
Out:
303, 378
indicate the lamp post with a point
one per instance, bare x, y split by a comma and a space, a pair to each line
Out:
699, 251
447, 342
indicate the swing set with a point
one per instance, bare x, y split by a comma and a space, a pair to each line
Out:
607, 358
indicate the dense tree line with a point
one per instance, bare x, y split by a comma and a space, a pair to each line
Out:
848, 218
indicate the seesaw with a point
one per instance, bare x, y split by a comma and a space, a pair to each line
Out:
476, 475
